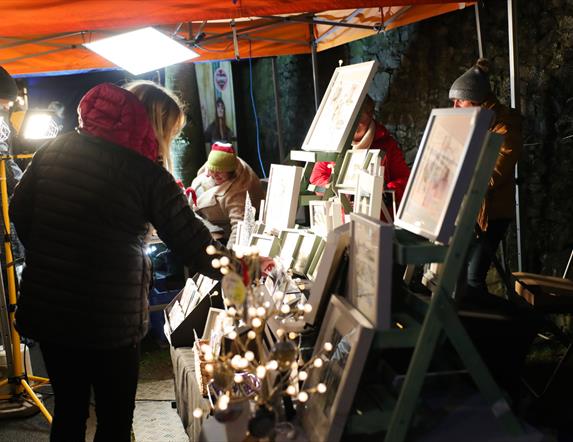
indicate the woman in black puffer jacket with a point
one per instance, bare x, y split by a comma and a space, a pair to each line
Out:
82, 211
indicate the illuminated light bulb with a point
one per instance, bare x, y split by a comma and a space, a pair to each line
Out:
205, 348
317, 363
252, 311
208, 357
209, 368
300, 306
225, 261
302, 375
249, 356
223, 402
251, 335
261, 311
321, 388
303, 396
256, 322
239, 254
238, 378
197, 413
216, 263
261, 372
244, 363
236, 362
294, 366
272, 365
292, 335
280, 332
211, 250
328, 346
307, 308
232, 311
266, 304
232, 335
225, 270
285, 309
226, 301
291, 390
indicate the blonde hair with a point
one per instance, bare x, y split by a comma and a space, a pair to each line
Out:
165, 110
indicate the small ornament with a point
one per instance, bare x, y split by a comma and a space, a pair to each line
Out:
233, 288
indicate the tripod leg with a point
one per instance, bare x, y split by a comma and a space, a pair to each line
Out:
37, 401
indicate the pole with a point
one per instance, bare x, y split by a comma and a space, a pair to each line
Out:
478, 30
515, 104
314, 65
282, 153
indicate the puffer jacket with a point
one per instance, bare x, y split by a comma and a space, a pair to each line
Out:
224, 205
499, 202
82, 211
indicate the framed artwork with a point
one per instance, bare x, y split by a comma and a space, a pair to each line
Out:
324, 415
368, 194
354, 161
268, 245
370, 269
320, 217
306, 251
281, 200
339, 108
290, 242
336, 243
442, 171
311, 273
190, 296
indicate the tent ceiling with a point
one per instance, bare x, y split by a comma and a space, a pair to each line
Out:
40, 36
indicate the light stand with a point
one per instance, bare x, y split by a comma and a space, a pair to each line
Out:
22, 398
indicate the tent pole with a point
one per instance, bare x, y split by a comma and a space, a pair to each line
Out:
478, 30
277, 109
515, 103
314, 64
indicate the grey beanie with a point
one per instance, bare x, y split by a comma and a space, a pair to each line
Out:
8, 87
472, 85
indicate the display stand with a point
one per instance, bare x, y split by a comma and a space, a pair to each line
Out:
22, 386
379, 413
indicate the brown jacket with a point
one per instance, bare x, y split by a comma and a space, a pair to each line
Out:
224, 205
499, 202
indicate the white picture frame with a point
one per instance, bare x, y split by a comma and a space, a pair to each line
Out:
190, 297
311, 273
268, 245
339, 107
320, 213
370, 269
442, 171
290, 240
281, 200
305, 253
336, 243
354, 161
324, 415
368, 194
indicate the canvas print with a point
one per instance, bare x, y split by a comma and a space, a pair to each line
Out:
282, 197
368, 194
339, 107
308, 246
290, 242
320, 217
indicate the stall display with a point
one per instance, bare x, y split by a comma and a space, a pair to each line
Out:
368, 194
339, 107
370, 272
282, 197
441, 174
347, 335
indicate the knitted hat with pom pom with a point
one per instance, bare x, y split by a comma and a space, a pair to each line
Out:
472, 85
222, 158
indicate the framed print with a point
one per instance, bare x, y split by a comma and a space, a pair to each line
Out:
355, 161
281, 200
190, 296
368, 194
370, 269
320, 217
311, 273
268, 245
290, 242
442, 171
324, 415
339, 108
336, 243
306, 251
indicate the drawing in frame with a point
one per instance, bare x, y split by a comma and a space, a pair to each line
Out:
339, 108
290, 240
281, 200
268, 245
306, 250
368, 194
354, 161
311, 272
336, 243
320, 213
350, 334
370, 269
442, 171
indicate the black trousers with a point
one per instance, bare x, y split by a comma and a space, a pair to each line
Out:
74, 372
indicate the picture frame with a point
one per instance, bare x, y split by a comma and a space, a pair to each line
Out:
354, 161
311, 273
268, 245
190, 297
442, 171
320, 213
324, 415
290, 240
305, 253
339, 108
370, 269
368, 194
336, 243
281, 200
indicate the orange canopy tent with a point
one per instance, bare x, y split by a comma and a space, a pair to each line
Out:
42, 37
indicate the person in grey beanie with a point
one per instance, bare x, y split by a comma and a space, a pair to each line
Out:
498, 208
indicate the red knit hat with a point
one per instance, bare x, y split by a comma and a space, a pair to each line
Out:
222, 158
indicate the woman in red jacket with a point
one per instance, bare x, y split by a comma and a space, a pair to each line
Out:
372, 135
